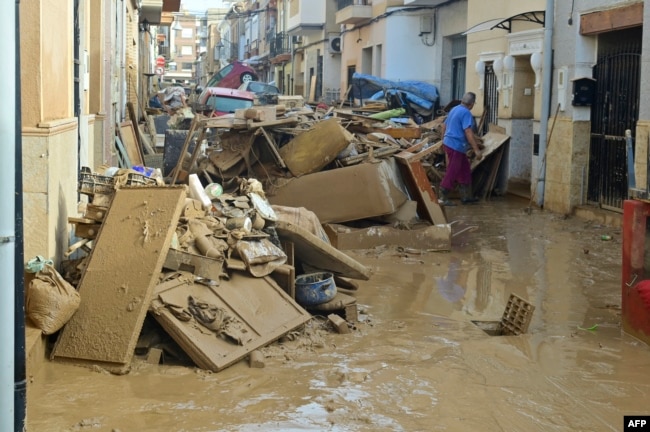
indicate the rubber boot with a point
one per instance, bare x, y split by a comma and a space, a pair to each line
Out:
444, 198
466, 196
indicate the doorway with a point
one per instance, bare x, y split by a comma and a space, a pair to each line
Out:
615, 110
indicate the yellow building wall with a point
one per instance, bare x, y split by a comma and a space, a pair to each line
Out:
49, 128
566, 177
492, 42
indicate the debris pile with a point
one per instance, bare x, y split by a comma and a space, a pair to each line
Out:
222, 247
217, 277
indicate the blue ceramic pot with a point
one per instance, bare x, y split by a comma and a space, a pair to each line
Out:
315, 288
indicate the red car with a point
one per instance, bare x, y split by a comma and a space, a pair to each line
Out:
233, 75
220, 101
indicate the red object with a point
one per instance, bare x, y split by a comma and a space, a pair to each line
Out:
635, 287
233, 75
224, 101
644, 292
160, 61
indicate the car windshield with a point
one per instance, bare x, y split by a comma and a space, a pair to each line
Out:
228, 104
258, 87
220, 75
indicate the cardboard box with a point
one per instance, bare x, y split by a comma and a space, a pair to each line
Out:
346, 194
423, 237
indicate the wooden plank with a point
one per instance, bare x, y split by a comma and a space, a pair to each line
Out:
292, 121
129, 140
381, 152
312, 89
412, 157
345, 96
201, 266
492, 141
147, 143
136, 129
122, 155
258, 306
319, 254
273, 147
612, 19
421, 190
87, 231
314, 149
122, 271
285, 276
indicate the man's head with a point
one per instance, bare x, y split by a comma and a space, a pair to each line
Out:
468, 99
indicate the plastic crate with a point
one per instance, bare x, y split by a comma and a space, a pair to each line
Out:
92, 184
516, 317
135, 179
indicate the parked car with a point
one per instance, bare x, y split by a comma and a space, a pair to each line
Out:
218, 101
233, 75
265, 93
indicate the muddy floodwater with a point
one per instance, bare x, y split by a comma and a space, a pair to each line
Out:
416, 360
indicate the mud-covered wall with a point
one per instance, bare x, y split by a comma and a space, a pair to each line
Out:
567, 160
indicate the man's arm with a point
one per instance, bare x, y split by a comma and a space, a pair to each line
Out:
469, 135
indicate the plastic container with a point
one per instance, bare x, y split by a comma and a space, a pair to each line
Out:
313, 289
198, 192
214, 190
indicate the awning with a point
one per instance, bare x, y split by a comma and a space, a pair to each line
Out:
506, 23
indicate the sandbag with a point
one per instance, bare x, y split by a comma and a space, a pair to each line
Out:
51, 300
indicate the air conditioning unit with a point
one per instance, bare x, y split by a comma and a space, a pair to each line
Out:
297, 40
334, 45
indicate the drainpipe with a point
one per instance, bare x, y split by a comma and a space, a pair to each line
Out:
20, 355
13, 321
547, 72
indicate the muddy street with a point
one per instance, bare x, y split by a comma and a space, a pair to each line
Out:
416, 361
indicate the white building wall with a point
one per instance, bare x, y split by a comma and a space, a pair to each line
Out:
407, 55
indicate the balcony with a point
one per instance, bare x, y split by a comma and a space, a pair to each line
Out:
353, 11
306, 16
280, 51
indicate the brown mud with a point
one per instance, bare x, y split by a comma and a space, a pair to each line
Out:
415, 362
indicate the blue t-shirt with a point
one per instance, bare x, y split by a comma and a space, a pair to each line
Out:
458, 119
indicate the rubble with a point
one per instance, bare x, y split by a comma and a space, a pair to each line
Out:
254, 200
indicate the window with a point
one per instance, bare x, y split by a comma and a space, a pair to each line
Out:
228, 104
187, 33
186, 66
458, 55
187, 50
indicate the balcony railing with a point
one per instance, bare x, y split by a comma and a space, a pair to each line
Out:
280, 44
353, 11
341, 4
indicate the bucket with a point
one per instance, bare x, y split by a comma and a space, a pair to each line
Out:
315, 288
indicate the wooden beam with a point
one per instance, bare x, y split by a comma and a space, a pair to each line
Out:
612, 19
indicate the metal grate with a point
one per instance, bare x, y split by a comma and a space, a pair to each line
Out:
615, 109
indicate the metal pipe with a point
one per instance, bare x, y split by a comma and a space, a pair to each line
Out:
8, 292
20, 355
547, 72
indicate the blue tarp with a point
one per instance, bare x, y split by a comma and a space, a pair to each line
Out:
365, 86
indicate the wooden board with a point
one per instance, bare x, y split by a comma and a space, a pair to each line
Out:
319, 254
117, 284
492, 141
314, 149
420, 189
201, 266
259, 305
130, 142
